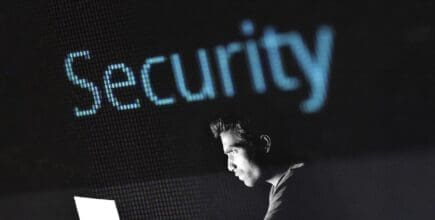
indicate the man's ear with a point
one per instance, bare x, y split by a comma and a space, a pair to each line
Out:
268, 142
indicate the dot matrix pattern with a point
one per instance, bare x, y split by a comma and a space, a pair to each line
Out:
149, 91
82, 83
109, 85
134, 159
207, 90
122, 146
213, 196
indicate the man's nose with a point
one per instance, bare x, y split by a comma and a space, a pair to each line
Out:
231, 165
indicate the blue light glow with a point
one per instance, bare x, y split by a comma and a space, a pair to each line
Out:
207, 90
253, 57
272, 44
314, 65
82, 83
223, 55
146, 68
247, 27
111, 85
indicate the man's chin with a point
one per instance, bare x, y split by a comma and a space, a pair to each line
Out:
249, 183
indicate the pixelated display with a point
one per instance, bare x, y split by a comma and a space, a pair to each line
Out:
112, 101
315, 67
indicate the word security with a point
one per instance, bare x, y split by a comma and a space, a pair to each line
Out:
314, 65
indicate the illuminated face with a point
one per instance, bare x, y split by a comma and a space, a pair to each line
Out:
240, 158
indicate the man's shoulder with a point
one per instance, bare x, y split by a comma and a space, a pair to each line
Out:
307, 193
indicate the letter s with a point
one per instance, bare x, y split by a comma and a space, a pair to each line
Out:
82, 83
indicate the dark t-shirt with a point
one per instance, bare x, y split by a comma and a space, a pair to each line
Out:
357, 189
277, 194
304, 192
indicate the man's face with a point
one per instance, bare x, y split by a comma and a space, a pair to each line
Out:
240, 158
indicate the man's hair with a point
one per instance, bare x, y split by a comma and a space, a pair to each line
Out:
241, 126
250, 131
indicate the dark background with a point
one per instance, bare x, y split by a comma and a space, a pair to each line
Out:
375, 131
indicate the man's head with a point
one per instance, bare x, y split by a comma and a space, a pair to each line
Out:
244, 146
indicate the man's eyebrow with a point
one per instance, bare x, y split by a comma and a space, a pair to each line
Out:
227, 151
238, 144
230, 148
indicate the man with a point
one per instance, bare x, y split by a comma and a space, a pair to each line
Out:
248, 151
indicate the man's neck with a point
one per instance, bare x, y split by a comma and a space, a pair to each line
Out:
277, 173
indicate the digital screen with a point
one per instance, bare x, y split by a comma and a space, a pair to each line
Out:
112, 102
